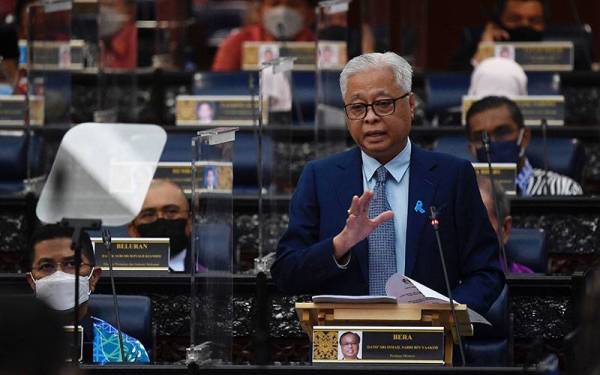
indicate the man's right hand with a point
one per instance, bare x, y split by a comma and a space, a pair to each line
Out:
493, 33
358, 225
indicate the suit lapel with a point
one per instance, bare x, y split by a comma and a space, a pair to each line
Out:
421, 189
348, 182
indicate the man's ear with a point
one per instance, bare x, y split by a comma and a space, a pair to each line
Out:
412, 102
506, 228
526, 138
132, 230
29, 279
96, 273
188, 227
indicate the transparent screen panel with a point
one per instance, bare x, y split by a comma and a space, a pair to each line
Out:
117, 97
275, 172
212, 249
333, 34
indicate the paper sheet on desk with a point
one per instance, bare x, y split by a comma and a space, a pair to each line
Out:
407, 290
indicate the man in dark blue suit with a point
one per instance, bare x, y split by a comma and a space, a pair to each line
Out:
359, 216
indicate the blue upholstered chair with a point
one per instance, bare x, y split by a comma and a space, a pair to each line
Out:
135, 313
491, 344
18, 152
528, 247
565, 155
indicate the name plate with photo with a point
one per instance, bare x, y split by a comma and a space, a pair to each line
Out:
178, 172
230, 110
214, 177
504, 173
533, 56
134, 254
534, 108
373, 344
53, 55
332, 55
13, 107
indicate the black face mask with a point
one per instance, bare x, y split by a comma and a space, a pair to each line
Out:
174, 229
524, 34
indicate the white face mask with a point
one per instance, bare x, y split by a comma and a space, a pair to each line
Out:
283, 22
58, 290
110, 21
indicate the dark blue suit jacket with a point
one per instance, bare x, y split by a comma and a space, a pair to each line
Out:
318, 212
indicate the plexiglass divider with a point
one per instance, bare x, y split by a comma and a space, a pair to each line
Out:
332, 54
274, 174
212, 248
48, 61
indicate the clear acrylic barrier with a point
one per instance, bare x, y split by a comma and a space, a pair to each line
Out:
117, 97
333, 35
212, 247
276, 97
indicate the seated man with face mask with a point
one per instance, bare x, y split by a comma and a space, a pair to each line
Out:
502, 119
51, 262
278, 20
166, 213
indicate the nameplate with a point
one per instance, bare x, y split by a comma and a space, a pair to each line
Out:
533, 56
504, 173
178, 172
13, 109
332, 55
134, 254
70, 343
234, 110
360, 344
53, 55
213, 177
534, 108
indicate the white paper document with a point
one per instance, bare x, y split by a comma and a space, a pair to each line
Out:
407, 290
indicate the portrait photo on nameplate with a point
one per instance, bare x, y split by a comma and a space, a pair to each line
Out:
378, 344
217, 110
215, 176
134, 254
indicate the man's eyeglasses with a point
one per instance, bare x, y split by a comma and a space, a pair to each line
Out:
168, 212
68, 266
500, 133
381, 107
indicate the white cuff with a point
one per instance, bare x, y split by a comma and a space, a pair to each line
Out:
345, 265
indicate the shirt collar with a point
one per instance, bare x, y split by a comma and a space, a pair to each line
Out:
397, 166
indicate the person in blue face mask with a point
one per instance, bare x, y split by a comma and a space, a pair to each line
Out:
502, 119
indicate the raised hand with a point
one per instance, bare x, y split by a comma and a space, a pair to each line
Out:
358, 225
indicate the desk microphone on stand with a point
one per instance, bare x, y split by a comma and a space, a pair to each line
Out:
486, 144
107, 240
433, 216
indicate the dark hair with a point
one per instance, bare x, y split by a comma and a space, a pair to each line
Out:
350, 333
491, 102
53, 231
501, 5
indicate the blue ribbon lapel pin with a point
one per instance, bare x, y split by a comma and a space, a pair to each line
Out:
419, 207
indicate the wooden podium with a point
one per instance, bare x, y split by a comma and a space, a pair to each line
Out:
387, 314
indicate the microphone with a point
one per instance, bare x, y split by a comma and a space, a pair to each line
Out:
107, 240
433, 216
486, 144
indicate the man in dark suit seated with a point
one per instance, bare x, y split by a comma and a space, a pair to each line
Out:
360, 216
51, 265
502, 119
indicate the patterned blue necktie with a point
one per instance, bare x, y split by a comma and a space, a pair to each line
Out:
382, 242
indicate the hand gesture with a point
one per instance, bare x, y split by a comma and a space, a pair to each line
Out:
358, 225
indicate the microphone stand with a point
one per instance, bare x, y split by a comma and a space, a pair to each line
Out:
486, 144
107, 240
433, 215
78, 226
